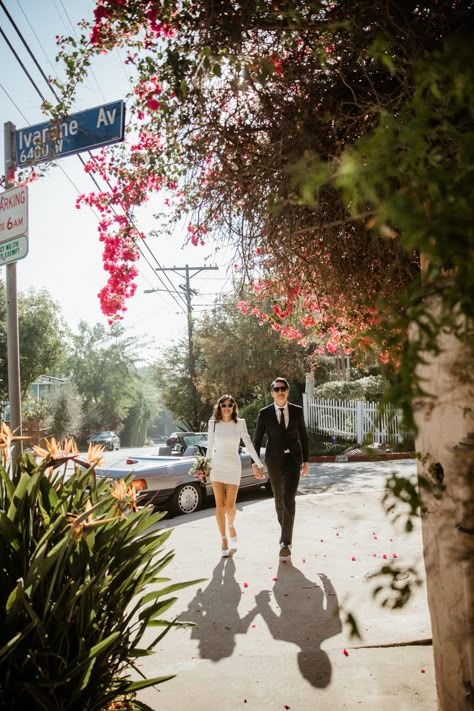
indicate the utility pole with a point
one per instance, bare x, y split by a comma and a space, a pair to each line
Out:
192, 359
13, 350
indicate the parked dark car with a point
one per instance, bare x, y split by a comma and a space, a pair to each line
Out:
166, 483
107, 438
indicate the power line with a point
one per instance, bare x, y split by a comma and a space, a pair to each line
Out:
191, 353
52, 89
36, 36
75, 34
59, 165
18, 58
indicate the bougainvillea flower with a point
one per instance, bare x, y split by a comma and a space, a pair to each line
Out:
345, 652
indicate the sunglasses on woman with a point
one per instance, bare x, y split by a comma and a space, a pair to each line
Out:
227, 404
281, 389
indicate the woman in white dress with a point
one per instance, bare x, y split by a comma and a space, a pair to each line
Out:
225, 431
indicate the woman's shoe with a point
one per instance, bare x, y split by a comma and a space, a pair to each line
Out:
233, 539
225, 550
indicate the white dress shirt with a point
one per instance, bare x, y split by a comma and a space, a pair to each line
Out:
286, 414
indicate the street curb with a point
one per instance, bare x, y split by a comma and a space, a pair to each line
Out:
361, 457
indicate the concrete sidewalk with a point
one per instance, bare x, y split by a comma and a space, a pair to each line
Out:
267, 635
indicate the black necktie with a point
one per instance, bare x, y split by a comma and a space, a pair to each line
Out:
282, 419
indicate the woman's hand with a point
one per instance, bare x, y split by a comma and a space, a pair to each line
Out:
258, 471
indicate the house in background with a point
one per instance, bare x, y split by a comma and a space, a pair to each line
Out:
41, 386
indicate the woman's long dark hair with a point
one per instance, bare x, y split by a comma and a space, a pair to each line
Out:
217, 414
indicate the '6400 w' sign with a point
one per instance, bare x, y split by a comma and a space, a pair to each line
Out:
13, 213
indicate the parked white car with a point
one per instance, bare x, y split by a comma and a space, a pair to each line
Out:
165, 481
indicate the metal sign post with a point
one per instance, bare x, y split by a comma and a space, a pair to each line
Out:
13, 350
85, 130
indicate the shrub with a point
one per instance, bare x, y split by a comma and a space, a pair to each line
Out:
323, 444
250, 412
80, 582
370, 388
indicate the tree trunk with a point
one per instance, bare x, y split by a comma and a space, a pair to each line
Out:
446, 438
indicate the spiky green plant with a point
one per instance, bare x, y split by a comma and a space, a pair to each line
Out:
80, 583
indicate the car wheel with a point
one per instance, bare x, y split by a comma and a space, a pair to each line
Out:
187, 499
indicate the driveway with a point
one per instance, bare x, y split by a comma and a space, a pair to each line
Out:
268, 635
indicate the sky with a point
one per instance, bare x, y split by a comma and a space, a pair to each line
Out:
64, 251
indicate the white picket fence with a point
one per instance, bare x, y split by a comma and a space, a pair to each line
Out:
356, 420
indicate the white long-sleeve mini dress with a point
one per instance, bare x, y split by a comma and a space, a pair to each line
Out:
223, 439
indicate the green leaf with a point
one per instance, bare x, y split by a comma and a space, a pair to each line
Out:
7, 483
15, 600
137, 685
171, 588
157, 609
8, 530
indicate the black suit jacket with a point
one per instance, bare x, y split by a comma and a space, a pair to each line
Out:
295, 438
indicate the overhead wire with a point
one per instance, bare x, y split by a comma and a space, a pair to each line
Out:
66, 175
36, 36
75, 34
182, 303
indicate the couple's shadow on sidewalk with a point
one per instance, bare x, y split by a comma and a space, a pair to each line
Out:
305, 614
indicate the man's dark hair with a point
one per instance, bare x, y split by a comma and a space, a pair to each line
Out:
280, 380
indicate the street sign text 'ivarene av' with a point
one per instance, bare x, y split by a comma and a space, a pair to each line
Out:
78, 132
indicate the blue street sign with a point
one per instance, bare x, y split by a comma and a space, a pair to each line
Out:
83, 131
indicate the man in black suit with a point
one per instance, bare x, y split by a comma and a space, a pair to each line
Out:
285, 455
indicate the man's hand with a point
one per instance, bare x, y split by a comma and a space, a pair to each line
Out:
305, 470
258, 471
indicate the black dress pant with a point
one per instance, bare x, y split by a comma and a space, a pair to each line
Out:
284, 480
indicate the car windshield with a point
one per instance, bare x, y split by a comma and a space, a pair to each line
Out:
103, 434
195, 438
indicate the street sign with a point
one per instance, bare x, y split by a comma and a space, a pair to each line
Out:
82, 131
13, 250
13, 213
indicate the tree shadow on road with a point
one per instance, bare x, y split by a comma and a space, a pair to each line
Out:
308, 616
214, 610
